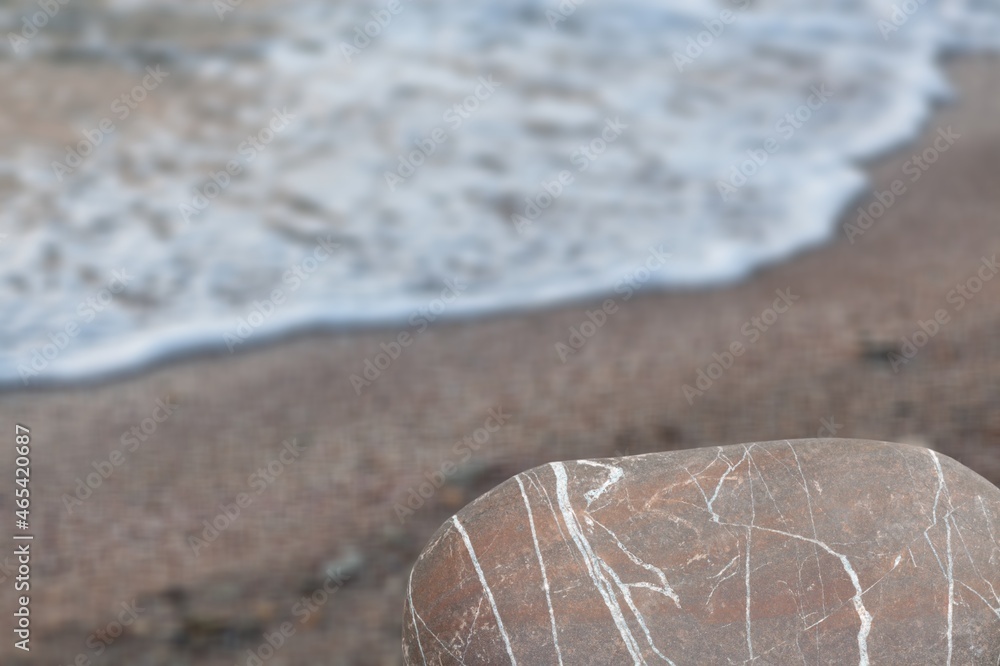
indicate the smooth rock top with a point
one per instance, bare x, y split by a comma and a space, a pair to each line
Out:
791, 552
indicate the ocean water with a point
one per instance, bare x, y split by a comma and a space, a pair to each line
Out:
462, 158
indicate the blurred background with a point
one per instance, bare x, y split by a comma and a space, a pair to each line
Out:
284, 286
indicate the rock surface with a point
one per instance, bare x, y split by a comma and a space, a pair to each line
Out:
791, 552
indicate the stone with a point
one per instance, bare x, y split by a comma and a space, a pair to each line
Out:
350, 564
818, 551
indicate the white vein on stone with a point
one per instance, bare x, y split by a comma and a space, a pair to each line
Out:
951, 564
895, 564
413, 617
940, 476
989, 523
627, 595
722, 479
416, 616
697, 484
934, 550
472, 628
968, 554
613, 477
541, 565
722, 571
951, 591
996, 611
812, 521
592, 563
486, 588
539, 486
767, 489
746, 570
720, 450
863, 615
934, 516
664, 588
444, 646
746, 566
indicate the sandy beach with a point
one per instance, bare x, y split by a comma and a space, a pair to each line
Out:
821, 352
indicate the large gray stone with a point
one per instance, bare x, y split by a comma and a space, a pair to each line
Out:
797, 552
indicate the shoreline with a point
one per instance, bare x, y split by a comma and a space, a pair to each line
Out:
821, 367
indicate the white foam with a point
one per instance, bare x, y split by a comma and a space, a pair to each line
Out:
657, 185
